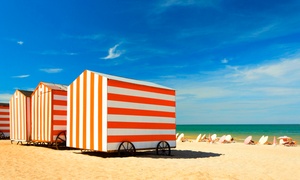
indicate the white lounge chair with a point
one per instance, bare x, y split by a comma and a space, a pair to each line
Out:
180, 138
198, 138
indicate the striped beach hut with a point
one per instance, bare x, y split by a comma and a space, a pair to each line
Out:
20, 116
4, 120
109, 113
49, 114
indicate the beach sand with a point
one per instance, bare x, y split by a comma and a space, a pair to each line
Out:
189, 160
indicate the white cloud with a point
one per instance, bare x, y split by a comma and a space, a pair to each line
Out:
86, 37
51, 70
21, 76
224, 61
204, 3
284, 71
113, 53
5, 97
20, 42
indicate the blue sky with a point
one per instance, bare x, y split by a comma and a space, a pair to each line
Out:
230, 61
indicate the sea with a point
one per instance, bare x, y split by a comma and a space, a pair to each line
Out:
241, 131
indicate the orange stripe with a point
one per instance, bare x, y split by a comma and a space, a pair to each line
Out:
139, 138
121, 84
84, 108
77, 111
60, 102
5, 130
141, 125
71, 115
59, 122
21, 117
4, 125
59, 112
28, 118
4, 119
60, 92
40, 123
136, 99
138, 112
100, 85
92, 110
4, 113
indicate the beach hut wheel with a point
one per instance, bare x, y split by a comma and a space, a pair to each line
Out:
126, 148
163, 148
60, 140
2, 136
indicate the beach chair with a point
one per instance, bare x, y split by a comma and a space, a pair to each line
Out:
212, 138
249, 141
229, 138
198, 138
222, 139
203, 138
180, 138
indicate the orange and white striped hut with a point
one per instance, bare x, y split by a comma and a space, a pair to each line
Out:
109, 113
4, 120
49, 112
20, 116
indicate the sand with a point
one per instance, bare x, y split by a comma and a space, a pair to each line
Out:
189, 160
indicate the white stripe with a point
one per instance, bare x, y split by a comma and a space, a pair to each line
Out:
4, 110
60, 127
88, 107
139, 106
68, 115
104, 113
4, 122
74, 114
81, 112
139, 145
60, 97
119, 131
4, 128
58, 107
96, 112
4, 116
48, 123
6, 134
59, 117
124, 118
130, 92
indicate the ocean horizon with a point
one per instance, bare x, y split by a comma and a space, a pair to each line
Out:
240, 131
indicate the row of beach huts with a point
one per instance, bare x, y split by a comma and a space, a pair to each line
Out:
96, 112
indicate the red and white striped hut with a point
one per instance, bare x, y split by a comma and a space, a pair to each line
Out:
109, 113
49, 113
4, 120
20, 116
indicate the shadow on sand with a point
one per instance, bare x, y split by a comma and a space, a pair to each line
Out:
175, 154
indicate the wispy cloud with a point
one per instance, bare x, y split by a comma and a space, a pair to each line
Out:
284, 71
205, 3
224, 61
239, 94
5, 97
113, 53
85, 37
20, 42
54, 52
51, 70
21, 76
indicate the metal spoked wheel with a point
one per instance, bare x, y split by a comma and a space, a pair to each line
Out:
125, 149
2, 136
60, 140
163, 148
